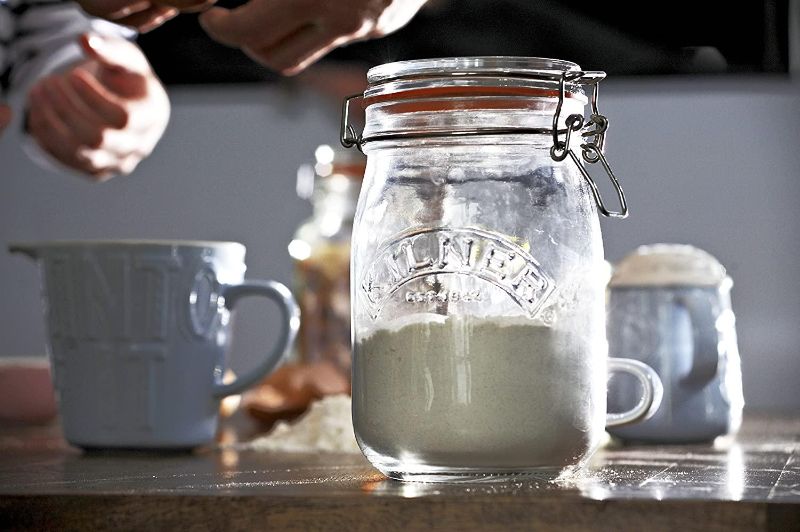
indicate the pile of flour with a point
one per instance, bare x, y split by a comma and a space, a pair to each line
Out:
474, 392
326, 427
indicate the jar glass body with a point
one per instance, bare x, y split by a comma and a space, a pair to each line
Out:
477, 275
479, 335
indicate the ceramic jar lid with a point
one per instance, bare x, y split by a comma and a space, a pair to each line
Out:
668, 265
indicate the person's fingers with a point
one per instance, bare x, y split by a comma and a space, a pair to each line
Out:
42, 112
76, 105
294, 54
107, 164
257, 24
289, 35
56, 138
123, 143
123, 69
101, 160
83, 123
187, 6
5, 116
149, 19
126, 165
225, 27
99, 98
199, 8
126, 85
113, 9
114, 53
129, 9
91, 130
51, 133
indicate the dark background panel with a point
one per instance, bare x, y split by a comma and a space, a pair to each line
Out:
680, 37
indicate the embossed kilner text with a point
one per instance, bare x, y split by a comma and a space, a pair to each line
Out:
440, 252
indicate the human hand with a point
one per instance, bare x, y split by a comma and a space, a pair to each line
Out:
290, 35
105, 114
144, 15
5, 116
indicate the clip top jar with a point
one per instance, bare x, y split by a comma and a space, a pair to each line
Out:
477, 290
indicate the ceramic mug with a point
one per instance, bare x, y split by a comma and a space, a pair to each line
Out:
669, 307
138, 332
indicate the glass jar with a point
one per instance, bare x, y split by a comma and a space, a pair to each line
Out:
477, 271
320, 251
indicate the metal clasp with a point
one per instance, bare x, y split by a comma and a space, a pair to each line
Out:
347, 133
591, 150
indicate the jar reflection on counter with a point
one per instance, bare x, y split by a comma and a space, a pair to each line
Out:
320, 252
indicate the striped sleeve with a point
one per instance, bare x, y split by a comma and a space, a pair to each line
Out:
44, 38
6, 33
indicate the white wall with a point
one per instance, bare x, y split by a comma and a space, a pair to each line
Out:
715, 163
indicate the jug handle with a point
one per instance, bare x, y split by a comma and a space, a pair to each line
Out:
652, 392
705, 342
290, 315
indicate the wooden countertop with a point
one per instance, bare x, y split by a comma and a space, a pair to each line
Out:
750, 483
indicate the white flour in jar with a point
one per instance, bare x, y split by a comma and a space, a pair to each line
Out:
472, 393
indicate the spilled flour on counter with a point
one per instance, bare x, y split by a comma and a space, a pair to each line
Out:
326, 427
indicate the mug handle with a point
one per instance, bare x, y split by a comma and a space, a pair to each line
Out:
705, 342
290, 315
652, 391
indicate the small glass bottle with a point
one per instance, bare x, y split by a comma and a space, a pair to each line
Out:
320, 251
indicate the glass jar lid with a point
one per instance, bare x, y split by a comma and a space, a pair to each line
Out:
455, 98
478, 75
478, 96
468, 65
